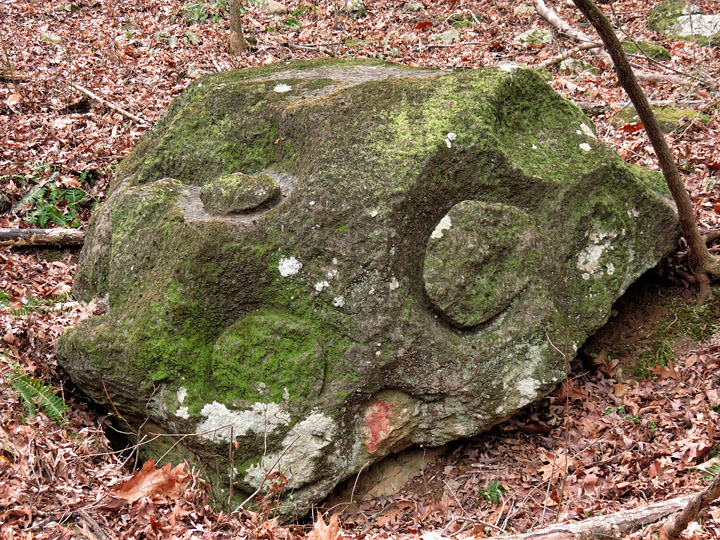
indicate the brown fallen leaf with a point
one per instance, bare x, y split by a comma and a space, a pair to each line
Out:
149, 482
321, 531
13, 99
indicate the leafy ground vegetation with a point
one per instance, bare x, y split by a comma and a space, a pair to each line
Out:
636, 422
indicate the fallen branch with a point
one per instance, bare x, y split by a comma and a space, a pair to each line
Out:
41, 237
658, 77
711, 236
553, 18
613, 524
109, 105
12, 75
567, 54
676, 524
592, 108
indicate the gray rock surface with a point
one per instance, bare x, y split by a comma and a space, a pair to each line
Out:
438, 236
535, 35
682, 20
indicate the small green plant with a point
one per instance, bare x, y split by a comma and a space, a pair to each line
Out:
47, 202
301, 10
635, 419
36, 305
51, 204
200, 11
195, 12
494, 492
37, 395
293, 22
711, 472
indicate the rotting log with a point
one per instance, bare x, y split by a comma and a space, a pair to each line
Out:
41, 237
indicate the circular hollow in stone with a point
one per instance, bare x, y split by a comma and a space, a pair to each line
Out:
237, 192
478, 259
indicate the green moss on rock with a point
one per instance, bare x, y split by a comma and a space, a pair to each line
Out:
648, 48
290, 321
670, 118
238, 192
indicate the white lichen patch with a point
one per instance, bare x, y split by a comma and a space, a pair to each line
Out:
321, 286
633, 213
261, 418
589, 258
610, 269
696, 25
444, 225
282, 88
289, 266
527, 388
587, 130
507, 66
394, 284
585, 146
181, 394
304, 445
183, 412
338, 301
449, 138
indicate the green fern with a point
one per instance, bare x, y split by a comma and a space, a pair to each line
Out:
31, 197
36, 395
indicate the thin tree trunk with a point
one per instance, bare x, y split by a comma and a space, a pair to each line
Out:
237, 43
703, 264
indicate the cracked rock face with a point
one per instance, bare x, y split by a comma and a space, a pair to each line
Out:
328, 261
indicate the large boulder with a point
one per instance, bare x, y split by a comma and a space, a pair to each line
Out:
391, 256
679, 19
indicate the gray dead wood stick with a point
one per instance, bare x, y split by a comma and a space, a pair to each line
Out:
676, 524
109, 105
613, 524
41, 237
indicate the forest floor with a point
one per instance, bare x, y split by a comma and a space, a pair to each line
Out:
635, 421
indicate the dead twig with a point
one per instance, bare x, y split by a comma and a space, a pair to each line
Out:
676, 523
254, 493
567, 54
612, 524
109, 105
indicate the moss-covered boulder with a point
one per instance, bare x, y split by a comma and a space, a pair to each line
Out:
678, 19
648, 48
669, 117
438, 240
